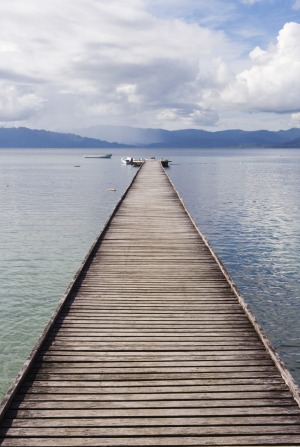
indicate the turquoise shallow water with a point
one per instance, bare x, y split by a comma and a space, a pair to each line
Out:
51, 212
55, 202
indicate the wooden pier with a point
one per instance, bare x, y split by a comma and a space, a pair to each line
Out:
152, 346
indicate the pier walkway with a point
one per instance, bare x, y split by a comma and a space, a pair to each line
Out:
151, 346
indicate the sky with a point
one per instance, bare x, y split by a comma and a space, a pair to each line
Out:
170, 64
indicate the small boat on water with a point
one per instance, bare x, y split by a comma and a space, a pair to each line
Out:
98, 156
165, 162
127, 160
138, 162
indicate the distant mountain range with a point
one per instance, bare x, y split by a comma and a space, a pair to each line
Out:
23, 137
193, 138
121, 137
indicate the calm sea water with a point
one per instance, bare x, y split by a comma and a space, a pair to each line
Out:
54, 203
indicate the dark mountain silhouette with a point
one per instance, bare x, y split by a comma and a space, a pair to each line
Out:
289, 144
228, 138
23, 137
150, 138
190, 138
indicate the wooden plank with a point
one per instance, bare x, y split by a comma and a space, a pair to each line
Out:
280, 440
71, 420
152, 345
83, 409
96, 408
106, 432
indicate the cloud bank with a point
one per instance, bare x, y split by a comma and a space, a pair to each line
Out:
270, 84
68, 64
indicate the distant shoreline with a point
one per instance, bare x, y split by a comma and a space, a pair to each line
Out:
22, 137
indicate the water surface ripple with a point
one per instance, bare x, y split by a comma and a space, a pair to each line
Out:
55, 202
246, 203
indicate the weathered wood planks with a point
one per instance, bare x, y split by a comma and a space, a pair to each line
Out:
152, 346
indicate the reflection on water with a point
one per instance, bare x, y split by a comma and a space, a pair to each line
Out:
55, 202
53, 205
247, 205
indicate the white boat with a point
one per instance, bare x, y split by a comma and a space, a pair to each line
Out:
98, 156
127, 160
138, 162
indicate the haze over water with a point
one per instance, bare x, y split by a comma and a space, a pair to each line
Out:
55, 202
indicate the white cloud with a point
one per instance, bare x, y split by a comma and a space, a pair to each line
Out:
250, 2
271, 84
65, 64
295, 119
296, 5
8, 47
100, 57
17, 104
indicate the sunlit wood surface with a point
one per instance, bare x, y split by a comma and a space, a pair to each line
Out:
152, 346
